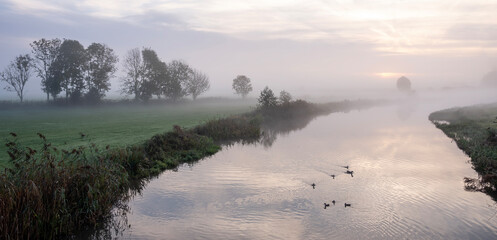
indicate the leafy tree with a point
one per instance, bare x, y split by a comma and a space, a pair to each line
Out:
285, 97
99, 68
54, 81
242, 85
69, 64
267, 99
147, 89
155, 71
17, 74
45, 52
197, 84
179, 73
133, 66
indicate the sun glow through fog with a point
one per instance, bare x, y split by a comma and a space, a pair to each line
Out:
388, 74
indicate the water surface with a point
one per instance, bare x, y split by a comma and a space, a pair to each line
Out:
407, 184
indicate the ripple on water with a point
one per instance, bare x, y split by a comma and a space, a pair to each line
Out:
407, 184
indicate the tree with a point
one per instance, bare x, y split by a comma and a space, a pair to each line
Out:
267, 99
17, 74
285, 97
45, 52
490, 79
154, 71
404, 84
54, 81
131, 84
197, 84
242, 85
69, 67
179, 72
99, 68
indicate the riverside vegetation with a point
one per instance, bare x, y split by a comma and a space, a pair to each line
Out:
474, 129
51, 192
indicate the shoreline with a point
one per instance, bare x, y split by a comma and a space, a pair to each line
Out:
474, 129
65, 191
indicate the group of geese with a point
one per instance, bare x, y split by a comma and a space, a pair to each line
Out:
333, 176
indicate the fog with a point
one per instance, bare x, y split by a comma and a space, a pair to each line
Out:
311, 49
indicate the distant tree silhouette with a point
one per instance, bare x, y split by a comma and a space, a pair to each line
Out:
99, 68
490, 79
285, 97
197, 84
17, 74
267, 99
404, 84
45, 52
69, 67
134, 69
155, 72
242, 85
179, 73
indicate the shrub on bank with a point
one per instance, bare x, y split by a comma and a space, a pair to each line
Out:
50, 192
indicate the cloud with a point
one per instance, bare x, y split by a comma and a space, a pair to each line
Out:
406, 27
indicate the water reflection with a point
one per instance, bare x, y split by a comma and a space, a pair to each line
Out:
407, 183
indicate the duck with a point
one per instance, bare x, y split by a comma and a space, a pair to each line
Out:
348, 204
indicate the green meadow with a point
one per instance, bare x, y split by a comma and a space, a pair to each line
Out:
110, 124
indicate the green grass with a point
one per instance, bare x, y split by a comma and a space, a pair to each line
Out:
49, 192
114, 125
474, 130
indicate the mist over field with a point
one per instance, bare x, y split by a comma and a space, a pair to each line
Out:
315, 48
233, 119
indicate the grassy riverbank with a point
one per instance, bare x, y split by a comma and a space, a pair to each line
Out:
51, 191
474, 129
116, 125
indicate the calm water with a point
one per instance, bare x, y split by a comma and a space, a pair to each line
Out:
407, 184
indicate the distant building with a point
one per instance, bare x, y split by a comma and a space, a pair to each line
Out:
404, 84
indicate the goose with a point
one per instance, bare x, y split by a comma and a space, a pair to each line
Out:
333, 202
349, 172
313, 186
333, 176
348, 204
326, 205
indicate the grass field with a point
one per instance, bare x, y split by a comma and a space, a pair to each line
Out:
114, 125
474, 129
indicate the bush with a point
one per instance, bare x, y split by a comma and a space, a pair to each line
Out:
50, 192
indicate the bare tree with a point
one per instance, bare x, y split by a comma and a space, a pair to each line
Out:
17, 74
197, 84
45, 52
133, 67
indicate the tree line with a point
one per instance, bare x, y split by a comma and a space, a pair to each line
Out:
83, 74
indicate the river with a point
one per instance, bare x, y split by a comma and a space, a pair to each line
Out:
407, 184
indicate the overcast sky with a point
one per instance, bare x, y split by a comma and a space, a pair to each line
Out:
303, 46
